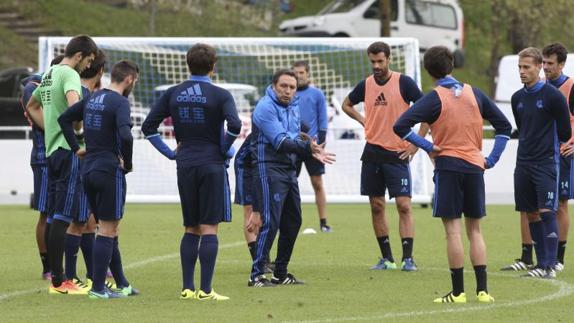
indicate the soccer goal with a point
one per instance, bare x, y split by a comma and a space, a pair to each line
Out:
245, 67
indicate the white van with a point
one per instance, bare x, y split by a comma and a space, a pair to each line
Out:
432, 22
508, 82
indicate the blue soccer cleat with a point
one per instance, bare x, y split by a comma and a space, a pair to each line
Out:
408, 264
384, 264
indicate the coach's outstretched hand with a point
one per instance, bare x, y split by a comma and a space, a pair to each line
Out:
320, 154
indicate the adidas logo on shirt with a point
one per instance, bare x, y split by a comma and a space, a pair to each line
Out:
97, 103
381, 100
192, 94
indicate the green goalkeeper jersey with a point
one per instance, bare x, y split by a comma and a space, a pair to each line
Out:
56, 82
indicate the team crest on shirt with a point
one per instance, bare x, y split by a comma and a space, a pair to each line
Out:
520, 106
381, 100
277, 197
539, 104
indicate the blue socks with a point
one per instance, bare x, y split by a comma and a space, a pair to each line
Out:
188, 251
116, 266
207, 256
87, 246
103, 248
550, 225
72, 246
537, 233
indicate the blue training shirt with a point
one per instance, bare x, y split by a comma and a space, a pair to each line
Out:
428, 110
276, 130
543, 121
198, 110
107, 130
313, 111
38, 153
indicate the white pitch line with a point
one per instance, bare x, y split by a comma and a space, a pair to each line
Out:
129, 266
564, 289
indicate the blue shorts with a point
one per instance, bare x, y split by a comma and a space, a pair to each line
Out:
204, 193
377, 177
64, 185
565, 191
244, 190
313, 166
456, 193
106, 194
536, 187
40, 198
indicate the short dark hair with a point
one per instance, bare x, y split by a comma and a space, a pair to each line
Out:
379, 47
301, 63
83, 44
282, 72
98, 64
533, 52
57, 60
556, 48
201, 59
438, 61
123, 69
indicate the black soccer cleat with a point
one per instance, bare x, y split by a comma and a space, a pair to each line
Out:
289, 279
260, 281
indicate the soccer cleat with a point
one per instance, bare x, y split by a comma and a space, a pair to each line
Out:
484, 297
325, 228
106, 294
47, 276
260, 281
60, 290
384, 264
187, 294
128, 291
202, 296
518, 265
408, 264
289, 279
550, 273
535, 272
558, 266
111, 285
76, 287
78, 282
89, 283
450, 298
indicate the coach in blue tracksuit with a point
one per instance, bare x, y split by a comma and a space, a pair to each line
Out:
275, 146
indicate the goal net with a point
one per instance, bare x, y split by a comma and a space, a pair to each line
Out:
244, 68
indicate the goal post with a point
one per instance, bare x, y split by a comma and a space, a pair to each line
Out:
245, 67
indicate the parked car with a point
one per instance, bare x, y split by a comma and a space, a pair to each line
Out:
508, 82
432, 22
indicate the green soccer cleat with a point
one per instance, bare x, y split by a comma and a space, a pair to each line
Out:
128, 291
450, 298
484, 297
202, 296
106, 294
384, 264
187, 294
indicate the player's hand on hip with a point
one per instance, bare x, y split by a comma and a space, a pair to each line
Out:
254, 222
408, 152
567, 149
81, 153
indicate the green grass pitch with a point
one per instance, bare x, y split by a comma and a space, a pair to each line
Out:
340, 287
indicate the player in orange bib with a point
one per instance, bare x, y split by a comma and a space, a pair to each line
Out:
385, 160
455, 113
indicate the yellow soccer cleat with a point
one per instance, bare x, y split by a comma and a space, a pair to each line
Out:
60, 290
187, 294
484, 297
202, 296
450, 298
76, 287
